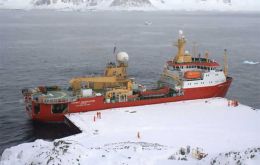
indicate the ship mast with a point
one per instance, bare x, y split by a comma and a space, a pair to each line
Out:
207, 55
182, 56
225, 63
181, 47
194, 49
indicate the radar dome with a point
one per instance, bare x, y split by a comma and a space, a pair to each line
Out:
122, 57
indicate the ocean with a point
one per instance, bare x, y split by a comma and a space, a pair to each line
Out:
44, 47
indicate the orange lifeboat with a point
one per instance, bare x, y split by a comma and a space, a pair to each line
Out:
192, 74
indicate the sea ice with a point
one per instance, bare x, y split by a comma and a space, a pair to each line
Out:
250, 62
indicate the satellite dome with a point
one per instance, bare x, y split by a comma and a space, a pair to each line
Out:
122, 57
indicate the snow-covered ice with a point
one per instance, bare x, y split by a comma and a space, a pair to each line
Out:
152, 134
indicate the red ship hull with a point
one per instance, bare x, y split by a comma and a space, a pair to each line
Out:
97, 103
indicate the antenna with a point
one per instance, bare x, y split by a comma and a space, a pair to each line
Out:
225, 63
194, 49
114, 51
207, 55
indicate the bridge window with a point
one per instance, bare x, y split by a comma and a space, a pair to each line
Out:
59, 108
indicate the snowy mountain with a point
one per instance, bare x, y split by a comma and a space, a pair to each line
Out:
131, 3
191, 5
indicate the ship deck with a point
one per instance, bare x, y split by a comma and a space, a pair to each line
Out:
53, 95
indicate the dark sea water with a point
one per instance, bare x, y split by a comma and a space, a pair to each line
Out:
50, 47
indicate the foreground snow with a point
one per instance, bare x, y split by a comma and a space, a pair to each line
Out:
226, 134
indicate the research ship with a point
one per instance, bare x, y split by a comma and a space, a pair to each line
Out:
183, 78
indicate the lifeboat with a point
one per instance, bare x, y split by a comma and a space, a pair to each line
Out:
192, 75
155, 92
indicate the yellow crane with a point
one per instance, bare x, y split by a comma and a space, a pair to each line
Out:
114, 79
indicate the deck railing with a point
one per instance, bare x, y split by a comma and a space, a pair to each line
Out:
57, 100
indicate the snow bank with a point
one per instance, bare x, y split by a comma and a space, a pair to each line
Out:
152, 134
